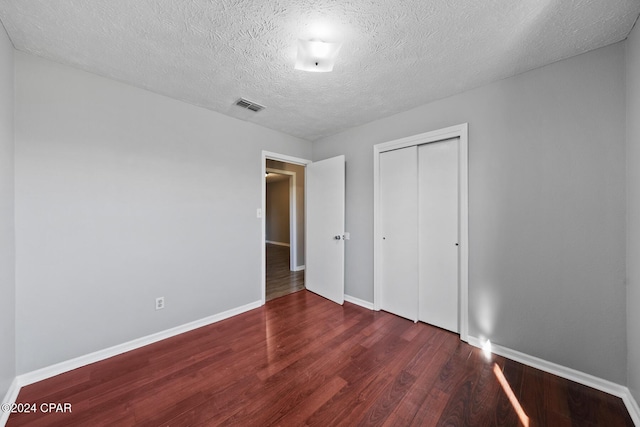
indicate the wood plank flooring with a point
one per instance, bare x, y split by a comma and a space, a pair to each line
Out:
302, 360
280, 279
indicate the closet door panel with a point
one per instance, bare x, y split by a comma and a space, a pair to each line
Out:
399, 226
438, 233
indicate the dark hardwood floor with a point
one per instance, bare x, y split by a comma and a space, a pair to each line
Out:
280, 279
302, 360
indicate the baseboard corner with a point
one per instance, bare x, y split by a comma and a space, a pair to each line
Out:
9, 398
632, 406
571, 374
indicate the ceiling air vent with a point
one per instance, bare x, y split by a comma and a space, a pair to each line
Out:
249, 105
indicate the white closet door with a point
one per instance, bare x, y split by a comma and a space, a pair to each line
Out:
438, 233
399, 226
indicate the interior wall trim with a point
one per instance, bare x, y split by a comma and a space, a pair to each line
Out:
278, 243
357, 301
9, 398
579, 377
263, 208
632, 406
562, 371
78, 362
293, 216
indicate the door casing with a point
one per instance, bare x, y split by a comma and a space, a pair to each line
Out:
282, 158
293, 214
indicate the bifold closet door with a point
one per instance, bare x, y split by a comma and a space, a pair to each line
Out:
399, 230
438, 233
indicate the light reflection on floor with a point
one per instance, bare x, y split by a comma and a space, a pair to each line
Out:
524, 419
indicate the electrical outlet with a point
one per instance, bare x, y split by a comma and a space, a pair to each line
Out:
159, 303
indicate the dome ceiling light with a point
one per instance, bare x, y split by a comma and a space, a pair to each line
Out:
316, 55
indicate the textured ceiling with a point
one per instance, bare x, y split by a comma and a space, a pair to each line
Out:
396, 54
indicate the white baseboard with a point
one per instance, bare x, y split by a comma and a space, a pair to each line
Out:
553, 368
632, 407
358, 301
278, 243
568, 373
68, 365
299, 268
10, 397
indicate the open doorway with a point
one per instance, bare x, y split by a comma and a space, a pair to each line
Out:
284, 228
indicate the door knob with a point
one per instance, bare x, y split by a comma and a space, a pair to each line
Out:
337, 237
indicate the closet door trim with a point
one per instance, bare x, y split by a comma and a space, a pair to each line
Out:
461, 132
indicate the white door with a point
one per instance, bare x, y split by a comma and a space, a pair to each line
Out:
399, 226
438, 233
325, 201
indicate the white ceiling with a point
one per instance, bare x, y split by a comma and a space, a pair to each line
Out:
396, 54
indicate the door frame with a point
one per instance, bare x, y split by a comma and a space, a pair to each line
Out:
293, 210
263, 169
459, 131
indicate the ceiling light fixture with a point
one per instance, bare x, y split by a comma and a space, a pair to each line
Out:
317, 56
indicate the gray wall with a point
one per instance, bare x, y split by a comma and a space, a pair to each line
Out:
300, 182
633, 212
119, 200
546, 207
277, 211
7, 247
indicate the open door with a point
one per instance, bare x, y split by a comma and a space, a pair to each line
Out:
325, 209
